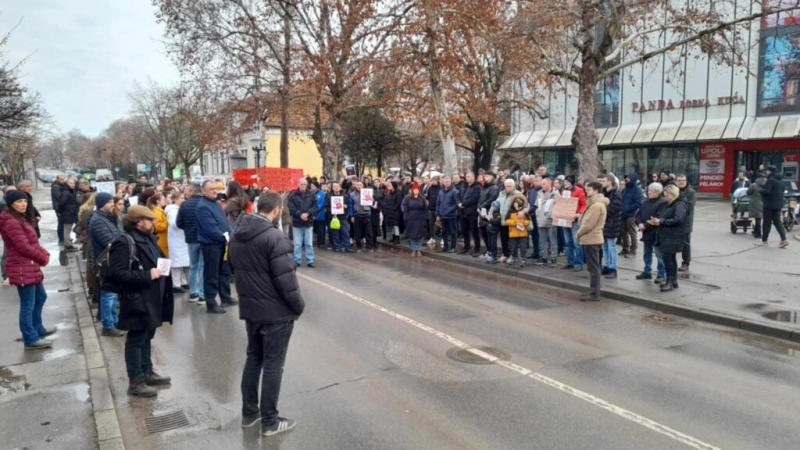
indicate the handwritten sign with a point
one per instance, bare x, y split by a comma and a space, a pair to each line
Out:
106, 186
366, 197
337, 205
565, 208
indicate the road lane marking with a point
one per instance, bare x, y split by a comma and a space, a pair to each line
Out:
553, 383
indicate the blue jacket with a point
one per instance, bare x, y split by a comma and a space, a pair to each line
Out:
320, 205
631, 197
211, 222
187, 218
354, 208
102, 230
447, 203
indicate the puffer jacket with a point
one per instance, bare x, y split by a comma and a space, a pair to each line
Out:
264, 272
102, 231
613, 215
772, 193
674, 226
187, 218
631, 197
24, 256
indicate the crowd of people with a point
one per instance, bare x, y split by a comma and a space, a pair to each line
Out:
150, 241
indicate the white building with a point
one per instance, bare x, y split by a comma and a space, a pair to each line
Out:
705, 119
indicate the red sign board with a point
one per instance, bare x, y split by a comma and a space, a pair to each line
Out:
245, 177
274, 178
712, 168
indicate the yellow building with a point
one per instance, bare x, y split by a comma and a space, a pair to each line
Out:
303, 153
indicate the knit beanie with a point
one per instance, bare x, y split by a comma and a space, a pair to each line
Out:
14, 195
102, 198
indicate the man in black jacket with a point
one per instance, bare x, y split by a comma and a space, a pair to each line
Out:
270, 302
55, 194
432, 198
470, 195
612, 226
650, 208
690, 197
489, 193
303, 207
772, 196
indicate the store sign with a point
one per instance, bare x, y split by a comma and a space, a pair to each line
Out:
712, 168
669, 104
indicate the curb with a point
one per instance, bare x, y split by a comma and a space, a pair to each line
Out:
689, 312
109, 435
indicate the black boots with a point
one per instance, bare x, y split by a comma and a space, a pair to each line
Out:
154, 379
670, 284
138, 388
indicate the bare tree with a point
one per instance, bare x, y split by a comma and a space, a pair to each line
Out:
18, 107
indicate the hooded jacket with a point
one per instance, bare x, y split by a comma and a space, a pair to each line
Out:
593, 221
631, 197
264, 272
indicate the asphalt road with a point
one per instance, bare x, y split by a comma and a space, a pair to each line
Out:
375, 363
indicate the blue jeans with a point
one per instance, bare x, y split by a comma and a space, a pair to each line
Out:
31, 303
649, 249
196, 270
573, 247
108, 309
610, 253
303, 236
415, 244
341, 238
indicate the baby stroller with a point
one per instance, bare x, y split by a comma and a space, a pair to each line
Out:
740, 218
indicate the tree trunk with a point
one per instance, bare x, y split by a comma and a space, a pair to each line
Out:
584, 138
285, 89
440, 107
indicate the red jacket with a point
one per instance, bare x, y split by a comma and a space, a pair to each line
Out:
578, 191
24, 256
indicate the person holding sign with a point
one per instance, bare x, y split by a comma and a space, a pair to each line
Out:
303, 208
339, 227
360, 212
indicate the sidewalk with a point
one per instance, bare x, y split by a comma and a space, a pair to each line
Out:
54, 398
732, 282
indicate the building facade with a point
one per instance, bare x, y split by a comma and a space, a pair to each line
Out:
685, 112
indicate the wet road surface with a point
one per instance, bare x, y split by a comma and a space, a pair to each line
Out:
376, 362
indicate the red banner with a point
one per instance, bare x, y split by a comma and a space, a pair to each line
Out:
712, 168
274, 178
245, 177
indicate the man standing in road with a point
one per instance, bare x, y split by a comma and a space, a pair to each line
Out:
270, 303
213, 235
187, 221
590, 235
103, 230
690, 197
447, 211
303, 207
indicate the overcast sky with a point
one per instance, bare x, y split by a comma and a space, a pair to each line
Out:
83, 56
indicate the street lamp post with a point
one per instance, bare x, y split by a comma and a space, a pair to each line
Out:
258, 149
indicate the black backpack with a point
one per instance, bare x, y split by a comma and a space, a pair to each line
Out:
102, 261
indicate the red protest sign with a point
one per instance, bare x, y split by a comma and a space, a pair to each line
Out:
245, 177
279, 179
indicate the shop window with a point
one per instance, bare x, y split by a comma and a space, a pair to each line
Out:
779, 62
606, 103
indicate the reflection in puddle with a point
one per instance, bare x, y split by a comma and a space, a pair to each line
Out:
783, 316
81, 391
60, 353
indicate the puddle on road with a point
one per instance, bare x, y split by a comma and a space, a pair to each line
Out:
81, 391
55, 354
10, 383
783, 316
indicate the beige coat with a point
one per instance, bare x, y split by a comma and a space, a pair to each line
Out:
593, 221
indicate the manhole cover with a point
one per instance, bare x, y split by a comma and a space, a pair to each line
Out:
166, 422
657, 317
783, 316
465, 356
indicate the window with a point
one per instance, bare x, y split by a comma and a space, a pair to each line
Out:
779, 63
606, 103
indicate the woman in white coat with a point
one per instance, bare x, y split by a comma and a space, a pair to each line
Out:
178, 249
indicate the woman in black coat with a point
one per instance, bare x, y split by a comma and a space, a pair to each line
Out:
390, 206
68, 211
672, 231
415, 213
145, 297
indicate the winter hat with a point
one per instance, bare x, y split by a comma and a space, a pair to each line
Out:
140, 212
102, 198
571, 179
14, 195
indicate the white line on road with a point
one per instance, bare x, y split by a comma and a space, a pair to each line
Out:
577, 393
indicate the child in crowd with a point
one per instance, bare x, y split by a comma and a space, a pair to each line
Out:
518, 221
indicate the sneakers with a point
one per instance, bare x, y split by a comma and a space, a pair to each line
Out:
112, 332
605, 271
683, 268
283, 424
138, 388
215, 310
502, 259
491, 260
509, 261
521, 264
659, 280
154, 379
248, 422
783, 244
48, 332
40, 344
644, 276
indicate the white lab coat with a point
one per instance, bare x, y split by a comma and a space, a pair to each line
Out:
176, 240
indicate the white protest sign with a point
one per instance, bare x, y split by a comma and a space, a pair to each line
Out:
366, 197
337, 205
106, 186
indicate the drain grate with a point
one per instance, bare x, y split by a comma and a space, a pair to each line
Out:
166, 422
465, 356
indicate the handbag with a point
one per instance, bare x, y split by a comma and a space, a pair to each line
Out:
335, 224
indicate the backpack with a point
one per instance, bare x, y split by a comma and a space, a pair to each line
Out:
102, 261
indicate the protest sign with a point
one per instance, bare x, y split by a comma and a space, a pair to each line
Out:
565, 208
366, 197
106, 186
337, 205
